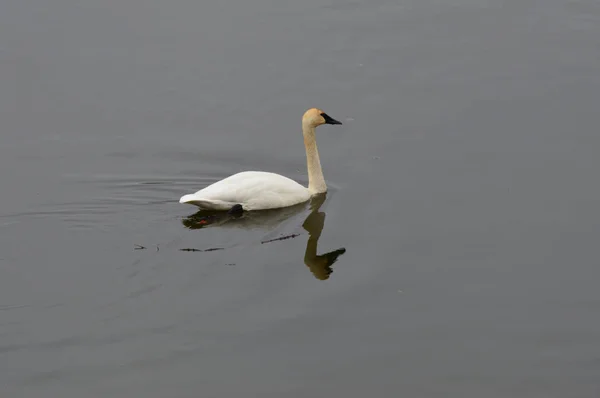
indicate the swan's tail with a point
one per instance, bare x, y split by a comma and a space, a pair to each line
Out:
207, 204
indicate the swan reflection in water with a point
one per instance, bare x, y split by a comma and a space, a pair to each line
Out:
319, 265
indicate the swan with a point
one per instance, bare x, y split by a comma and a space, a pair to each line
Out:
261, 190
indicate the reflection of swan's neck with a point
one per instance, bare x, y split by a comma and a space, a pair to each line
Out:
317, 265
316, 181
310, 254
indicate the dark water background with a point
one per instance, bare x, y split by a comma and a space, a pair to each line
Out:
464, 186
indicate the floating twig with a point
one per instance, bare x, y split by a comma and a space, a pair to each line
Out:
191, 249
280, 238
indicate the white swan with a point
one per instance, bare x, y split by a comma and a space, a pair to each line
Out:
259, 190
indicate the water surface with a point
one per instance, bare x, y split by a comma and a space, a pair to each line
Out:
462, 213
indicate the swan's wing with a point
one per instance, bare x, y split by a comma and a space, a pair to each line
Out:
254, 190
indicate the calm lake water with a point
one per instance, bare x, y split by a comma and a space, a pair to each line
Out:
463, 208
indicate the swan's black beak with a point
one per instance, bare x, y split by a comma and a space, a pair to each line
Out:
329, 119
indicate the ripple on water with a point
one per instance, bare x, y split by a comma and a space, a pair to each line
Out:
87, 197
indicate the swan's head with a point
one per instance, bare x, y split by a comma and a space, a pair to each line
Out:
315, 117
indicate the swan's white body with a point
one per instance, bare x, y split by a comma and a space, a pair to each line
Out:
254, 190
259, 190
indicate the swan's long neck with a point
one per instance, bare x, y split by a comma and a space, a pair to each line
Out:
316, 181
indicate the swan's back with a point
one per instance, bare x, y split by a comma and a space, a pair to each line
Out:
254, 190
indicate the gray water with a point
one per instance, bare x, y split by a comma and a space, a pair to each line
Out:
463, 187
